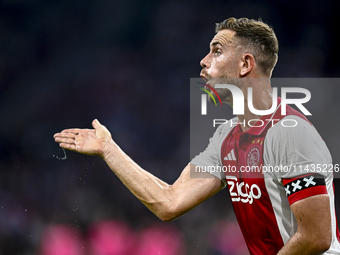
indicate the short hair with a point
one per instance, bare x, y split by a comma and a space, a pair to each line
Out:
257, 36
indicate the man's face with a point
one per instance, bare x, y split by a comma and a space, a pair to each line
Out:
222, 62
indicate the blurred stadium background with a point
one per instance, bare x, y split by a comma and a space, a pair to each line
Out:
128, 63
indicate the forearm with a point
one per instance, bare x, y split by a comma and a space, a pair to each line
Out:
166, 201
150, 190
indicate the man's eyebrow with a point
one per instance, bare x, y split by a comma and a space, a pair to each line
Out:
215, 43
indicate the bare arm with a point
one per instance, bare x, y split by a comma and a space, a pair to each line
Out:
166, 201
313, 235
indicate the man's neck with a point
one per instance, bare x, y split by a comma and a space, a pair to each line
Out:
262, 100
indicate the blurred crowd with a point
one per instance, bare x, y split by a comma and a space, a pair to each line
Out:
127, 63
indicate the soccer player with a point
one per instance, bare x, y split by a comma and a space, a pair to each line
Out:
279, 212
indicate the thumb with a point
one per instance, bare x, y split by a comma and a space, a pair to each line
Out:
96, 124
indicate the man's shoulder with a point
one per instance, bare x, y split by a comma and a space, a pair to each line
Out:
291, 124
294, 134
224, 129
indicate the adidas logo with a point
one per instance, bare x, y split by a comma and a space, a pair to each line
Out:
231, 156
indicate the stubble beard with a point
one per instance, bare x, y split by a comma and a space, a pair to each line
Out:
225, 94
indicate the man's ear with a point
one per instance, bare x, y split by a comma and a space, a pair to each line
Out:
248, 63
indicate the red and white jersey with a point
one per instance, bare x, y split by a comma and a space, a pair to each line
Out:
268, 168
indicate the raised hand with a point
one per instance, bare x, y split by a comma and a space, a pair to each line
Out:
86, 141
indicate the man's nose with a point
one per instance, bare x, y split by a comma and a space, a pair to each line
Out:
205, 62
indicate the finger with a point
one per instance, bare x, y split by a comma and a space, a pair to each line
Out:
71, 147
72, 130
65, 135
59, 135
96, 124
64, 140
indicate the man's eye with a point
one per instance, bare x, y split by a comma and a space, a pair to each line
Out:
218, 52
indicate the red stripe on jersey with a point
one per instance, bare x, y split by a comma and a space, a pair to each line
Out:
301, 187
336, 219
312, 191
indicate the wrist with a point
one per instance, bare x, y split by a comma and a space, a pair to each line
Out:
109, 148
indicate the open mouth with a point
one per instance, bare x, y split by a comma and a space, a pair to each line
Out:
205, 77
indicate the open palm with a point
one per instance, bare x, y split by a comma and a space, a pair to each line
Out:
86, 141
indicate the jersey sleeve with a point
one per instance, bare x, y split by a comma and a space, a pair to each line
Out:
300, 157
210, 158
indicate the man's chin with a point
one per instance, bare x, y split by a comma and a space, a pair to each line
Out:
223, 80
